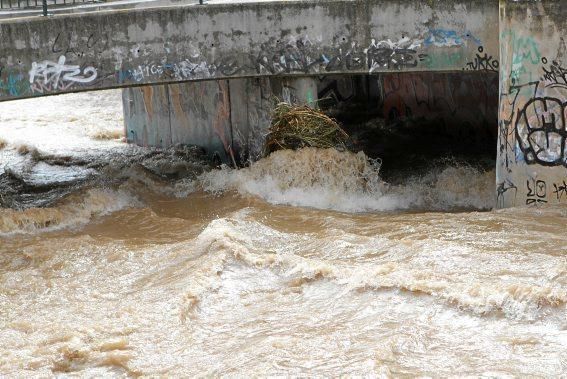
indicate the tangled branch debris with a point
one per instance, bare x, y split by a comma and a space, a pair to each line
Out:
297, 126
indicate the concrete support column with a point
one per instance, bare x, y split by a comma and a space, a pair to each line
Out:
229, 118
532, 146
146, 115
300, 91
195, 113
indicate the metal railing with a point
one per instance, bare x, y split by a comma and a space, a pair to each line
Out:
35, 5
43, 4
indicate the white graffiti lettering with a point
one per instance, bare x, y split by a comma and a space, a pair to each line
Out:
57, 76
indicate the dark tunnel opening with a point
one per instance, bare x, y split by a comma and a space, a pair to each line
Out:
412, 121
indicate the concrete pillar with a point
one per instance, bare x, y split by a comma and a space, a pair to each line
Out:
252, 101
299, 91
229, 118
146, 116
532, 146
186, 113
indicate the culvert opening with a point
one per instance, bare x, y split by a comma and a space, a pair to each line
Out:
416, 121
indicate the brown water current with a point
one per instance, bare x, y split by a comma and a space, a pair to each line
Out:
304, 264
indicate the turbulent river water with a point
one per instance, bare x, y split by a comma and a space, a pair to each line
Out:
118, 260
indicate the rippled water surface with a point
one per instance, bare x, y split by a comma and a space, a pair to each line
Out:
117, 260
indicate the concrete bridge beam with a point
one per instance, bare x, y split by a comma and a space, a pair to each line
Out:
108, 49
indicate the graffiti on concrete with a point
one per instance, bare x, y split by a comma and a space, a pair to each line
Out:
532, 116
510, 100
298, 55
348, 58
147, 71
482, 62
393, 55
448, 38
560, 190
536, 192
525, 51
538, 116
554, 73
295, 54
69, 44
13, 83
540, 131
506, 189
444, 58
532, 120
48, 76
333, 90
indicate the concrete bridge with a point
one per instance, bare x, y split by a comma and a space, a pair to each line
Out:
209, 71
110, 49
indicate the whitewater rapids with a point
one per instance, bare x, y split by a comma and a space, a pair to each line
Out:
304, 264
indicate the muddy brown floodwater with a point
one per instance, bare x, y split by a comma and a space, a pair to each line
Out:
306, 263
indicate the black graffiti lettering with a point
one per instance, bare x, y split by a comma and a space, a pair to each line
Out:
91, 41
483, 62
54, 48
503, 188
351, 60
355, 60
560, 190
335, 90
229, 66
64, 44
541, 133
555, 73
511, 99
288, 59
541, 189
404, 58
537, 192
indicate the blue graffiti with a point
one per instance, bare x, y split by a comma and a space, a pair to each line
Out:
123, 76
14, 85
448, 38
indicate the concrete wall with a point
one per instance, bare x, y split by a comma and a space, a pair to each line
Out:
532, 146
66, 53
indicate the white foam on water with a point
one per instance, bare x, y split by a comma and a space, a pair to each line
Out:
242, 240
71, 124
348, 182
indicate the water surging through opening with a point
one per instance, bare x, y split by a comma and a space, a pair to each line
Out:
351, 182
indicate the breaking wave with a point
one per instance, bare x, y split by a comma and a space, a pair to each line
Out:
318, 178
349, 182
237, 241
75, 210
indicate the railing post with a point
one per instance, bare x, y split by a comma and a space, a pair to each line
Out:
44, 3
